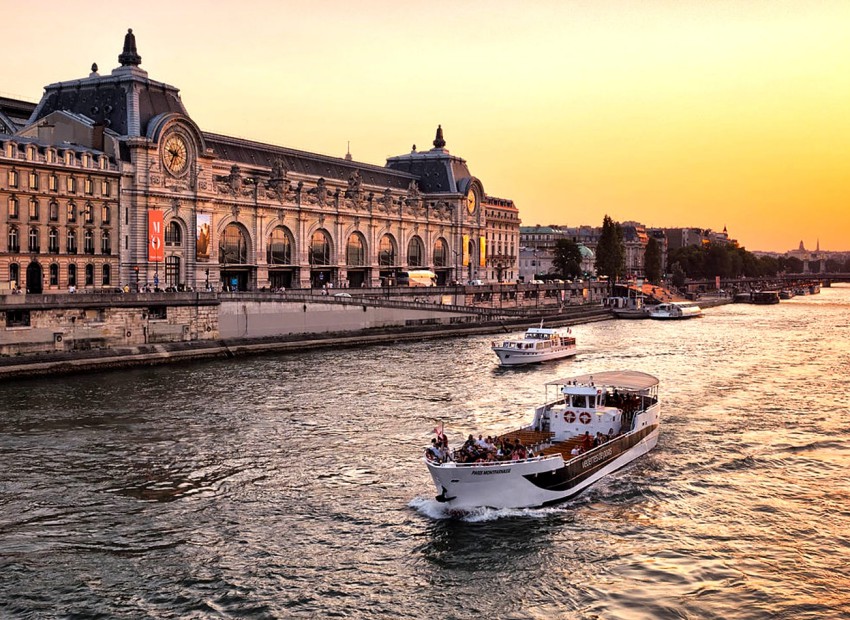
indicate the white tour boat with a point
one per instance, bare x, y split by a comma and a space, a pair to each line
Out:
539, 344
675, 310
592, 426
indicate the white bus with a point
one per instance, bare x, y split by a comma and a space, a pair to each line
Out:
417, 277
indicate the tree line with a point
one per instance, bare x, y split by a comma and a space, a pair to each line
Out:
694, 262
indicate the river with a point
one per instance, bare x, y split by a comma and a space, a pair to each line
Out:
291, 486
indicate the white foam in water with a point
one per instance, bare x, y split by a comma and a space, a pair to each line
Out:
437, 510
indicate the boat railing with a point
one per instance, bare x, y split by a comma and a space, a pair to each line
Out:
531, 459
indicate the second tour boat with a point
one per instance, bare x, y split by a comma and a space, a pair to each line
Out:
538, 344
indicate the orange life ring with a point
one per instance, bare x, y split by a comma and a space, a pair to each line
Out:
570, 416
584, 417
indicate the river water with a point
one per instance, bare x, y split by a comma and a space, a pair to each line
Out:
291, 486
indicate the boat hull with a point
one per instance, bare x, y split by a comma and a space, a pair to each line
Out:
518, 357
536, 482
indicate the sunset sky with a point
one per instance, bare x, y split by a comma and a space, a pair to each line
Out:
669, 112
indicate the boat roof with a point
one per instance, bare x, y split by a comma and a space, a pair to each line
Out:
626, 379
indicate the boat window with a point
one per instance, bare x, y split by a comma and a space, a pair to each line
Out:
579, 400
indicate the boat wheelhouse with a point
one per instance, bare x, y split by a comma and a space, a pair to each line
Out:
675, 310
628, 307
587, 427
538, 344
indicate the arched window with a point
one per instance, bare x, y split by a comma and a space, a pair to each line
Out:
441, 253
33, 209
54, 274
89, 275
72, 212
386, 251
53, 211
106, 275
173, 234
13, 208
105, 243
88, 214
88, 242
279, 251
233, 248
72, 275
53, 241
34, 244
320, 248
415, 252
15, 274
355, 251
105, 214
14, 240
71, 241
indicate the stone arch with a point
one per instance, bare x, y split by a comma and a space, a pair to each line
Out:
35, 278
416, 254
320, 248
353, 257
231, 250
387, 250
280, 246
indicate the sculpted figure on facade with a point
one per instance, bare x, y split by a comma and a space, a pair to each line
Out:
387, 200
319, 194
229, 183
278, 185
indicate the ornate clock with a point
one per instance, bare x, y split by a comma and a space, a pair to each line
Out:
471, 201
175, 154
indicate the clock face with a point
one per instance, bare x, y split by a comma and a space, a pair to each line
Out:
470, 202
175, 154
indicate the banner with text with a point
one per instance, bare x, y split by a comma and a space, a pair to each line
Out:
156, 251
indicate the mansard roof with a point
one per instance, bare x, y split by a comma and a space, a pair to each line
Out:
14, 114
124, 101
250, 153
436, 170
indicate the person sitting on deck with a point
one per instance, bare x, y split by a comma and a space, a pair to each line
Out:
575, 451
433, 452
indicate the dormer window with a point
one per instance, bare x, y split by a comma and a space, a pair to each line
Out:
69, 158
50, 156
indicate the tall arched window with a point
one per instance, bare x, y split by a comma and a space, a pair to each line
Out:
279, 251
105, 243
441, 253
88, 242
173, 234
386, 251
89, 275
53, 241
72, 212
233, 248
53, 211
34, 210
72, 241
320, 248
34, 244
355, 251
415, 252
15, 274
54, 274
72, 275
14, 240
107, 273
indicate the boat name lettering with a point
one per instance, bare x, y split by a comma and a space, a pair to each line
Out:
485, 472
596, 458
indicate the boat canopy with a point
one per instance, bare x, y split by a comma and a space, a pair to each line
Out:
625, 379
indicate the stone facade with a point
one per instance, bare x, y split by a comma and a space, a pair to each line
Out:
58, 217
208, 211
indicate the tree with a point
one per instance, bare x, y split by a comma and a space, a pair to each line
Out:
567, 259
611, 251
652, 261
678, 275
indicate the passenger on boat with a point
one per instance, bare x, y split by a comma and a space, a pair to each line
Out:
586, 442
575, 451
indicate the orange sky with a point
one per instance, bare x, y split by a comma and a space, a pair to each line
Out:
670, 112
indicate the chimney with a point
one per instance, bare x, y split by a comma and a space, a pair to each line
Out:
97, 136
45, 133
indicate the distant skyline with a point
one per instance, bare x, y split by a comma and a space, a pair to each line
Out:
685, 113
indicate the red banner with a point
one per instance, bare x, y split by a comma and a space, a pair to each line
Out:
156, 251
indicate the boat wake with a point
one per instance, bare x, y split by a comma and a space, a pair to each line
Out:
438, 511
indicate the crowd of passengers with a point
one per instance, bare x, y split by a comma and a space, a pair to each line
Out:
627, 403
481, 450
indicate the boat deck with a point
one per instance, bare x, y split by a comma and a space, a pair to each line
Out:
527, 437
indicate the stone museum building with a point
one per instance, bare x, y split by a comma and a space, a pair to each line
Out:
110, 183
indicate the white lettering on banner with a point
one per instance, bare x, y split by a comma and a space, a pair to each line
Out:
491, 471
601, 456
